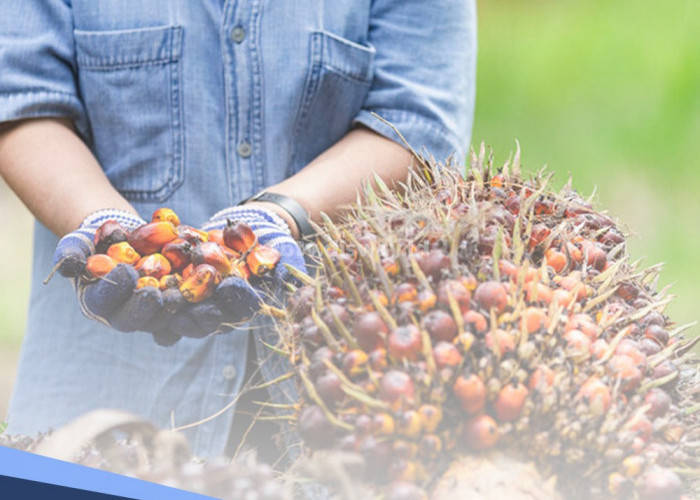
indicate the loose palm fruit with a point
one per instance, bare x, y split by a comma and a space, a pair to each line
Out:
440, 325
109, 233
481, 432
99, 265
211, 253
145, 281
491, 294
446, 354
262, 259
397, 388
431, 416
170, 281
151, 237
165, 214
200, 284
192, 234
177, 252
123, 252
155, 265
239, 236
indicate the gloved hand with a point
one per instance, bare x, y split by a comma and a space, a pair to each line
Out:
111, 299
235, 299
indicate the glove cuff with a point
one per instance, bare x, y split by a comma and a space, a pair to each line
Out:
127, 219
247, 215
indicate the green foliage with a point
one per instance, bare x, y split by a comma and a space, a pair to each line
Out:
606, 91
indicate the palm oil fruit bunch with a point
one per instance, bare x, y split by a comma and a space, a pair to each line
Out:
469, 315
186, 264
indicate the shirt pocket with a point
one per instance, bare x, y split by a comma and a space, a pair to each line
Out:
339, 77
130, 84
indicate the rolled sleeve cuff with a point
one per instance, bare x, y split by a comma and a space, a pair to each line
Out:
43, 104
429, 141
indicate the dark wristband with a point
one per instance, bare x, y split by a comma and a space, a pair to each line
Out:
292, 207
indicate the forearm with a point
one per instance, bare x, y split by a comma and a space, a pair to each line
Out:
54, 173
331, 182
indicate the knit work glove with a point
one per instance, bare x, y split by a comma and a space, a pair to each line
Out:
112, 299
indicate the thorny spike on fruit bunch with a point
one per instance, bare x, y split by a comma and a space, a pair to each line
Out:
488, 312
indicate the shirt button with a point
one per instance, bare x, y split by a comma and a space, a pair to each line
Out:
229, 372
245, 149
238, 34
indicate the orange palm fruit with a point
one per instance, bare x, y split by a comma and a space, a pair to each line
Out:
211, 253
240, 268
99, 265
170, 281
187, 271
431, 416
481, 432
239, 236
145, 281
191, 234
217, 236
471, 391
165, 214
123, 252
178, 253
533, 319
155, 265
510, 401
200, 283
555, 259
596, 395
151, 237
262, 259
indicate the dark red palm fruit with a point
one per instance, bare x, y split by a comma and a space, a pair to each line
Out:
377, 453
440, 325
433, 262
475, 321
611, 238
544, 206
328, 387
480, 432
491, 294
659, 403
512, 203
509, 402
155, 265
659, 483
628, 291
446, 354
539, 233
315, 428
109, 233
471, 392
405, 342
657, 333
301, 302
597, 258
239, 236
319, 359
211, 253
262, 259
370, 330
178, 253
650, 346
457, 290
397, 388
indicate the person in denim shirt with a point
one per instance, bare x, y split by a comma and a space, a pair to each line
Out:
119, 107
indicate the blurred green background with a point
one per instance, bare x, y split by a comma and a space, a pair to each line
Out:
605, 91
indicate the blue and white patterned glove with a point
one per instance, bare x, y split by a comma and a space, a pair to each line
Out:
112, 299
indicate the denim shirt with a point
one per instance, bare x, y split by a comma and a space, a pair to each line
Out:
196, 105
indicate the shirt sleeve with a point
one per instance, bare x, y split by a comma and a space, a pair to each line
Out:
37, 60
424, 79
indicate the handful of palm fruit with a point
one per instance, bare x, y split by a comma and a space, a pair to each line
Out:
484, 313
